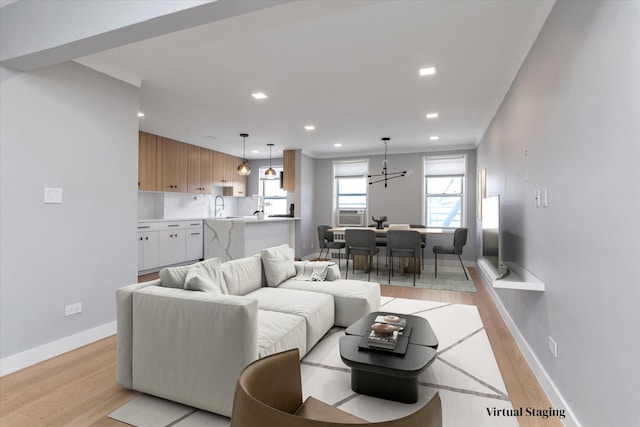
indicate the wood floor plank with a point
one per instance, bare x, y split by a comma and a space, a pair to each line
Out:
78, 388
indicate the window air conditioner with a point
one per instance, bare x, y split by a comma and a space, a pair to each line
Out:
351, 217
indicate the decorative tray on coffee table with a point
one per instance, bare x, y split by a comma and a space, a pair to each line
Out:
402, 336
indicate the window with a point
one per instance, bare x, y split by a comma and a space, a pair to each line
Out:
275, 198
351, 184
352, 193
444, 191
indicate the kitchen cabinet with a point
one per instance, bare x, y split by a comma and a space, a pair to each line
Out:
234, 184
172, 165
218, 168
289, 170
199, 170
147, 246
194, 240
147, 162
171, 242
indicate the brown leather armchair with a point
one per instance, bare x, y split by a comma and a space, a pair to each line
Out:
269, 394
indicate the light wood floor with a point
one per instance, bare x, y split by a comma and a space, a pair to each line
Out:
78, 388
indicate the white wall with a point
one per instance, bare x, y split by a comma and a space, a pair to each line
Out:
69, 127
570, 124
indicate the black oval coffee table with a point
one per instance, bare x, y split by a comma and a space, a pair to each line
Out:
383, 373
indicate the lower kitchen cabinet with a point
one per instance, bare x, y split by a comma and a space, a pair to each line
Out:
194, 241
164, 243
171, 246
147, 250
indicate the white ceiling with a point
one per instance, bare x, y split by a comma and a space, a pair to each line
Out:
350, 68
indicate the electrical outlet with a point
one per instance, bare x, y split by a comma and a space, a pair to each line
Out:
73, 309
553, 347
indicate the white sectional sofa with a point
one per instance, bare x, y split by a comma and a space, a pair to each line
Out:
187, 336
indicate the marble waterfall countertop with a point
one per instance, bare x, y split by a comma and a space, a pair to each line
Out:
234, 238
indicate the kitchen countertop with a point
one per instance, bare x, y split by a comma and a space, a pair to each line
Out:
230, 218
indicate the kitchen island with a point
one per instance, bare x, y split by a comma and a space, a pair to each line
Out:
234, 238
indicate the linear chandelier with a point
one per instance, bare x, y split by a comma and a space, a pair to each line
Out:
386, 175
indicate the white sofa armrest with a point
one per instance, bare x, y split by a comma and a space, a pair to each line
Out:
190, 347
124, 316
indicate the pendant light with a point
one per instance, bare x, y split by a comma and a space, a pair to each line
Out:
270, 173
243, 168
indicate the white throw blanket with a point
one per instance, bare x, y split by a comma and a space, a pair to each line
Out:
312, 271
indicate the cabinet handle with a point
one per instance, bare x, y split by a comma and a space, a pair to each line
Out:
173, 225
143, 226
195, 234
146, 238
141, 238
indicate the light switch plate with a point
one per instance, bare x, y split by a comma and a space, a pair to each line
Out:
52, 195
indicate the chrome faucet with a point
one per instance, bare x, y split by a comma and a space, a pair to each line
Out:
219, 209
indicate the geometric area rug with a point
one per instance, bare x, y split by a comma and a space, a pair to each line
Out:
465, 373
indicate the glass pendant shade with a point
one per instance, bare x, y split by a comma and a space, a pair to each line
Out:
270, 173
243, 168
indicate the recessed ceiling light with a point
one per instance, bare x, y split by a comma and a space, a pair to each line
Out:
140, 114
255, 151
310, 127
427, 71
434, 138
432, 115
337, 144
259, 95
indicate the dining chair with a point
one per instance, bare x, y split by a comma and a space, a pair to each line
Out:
381, 240
404, 243
360, 242
325, 239
269, 394
459, 240
423, 237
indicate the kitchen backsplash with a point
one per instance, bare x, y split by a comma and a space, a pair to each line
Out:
155, 205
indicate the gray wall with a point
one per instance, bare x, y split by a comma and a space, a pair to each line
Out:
570, 123
70, 127
401, 200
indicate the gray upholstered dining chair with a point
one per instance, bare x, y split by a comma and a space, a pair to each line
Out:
423, 237
381, 238
459, 240
360, 242
404, 243
325, 239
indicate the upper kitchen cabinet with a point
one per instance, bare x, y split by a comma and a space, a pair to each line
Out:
172, 165
147, 162
199, 170
289, 170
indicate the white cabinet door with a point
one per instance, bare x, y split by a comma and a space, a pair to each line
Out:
147, 250
195, 242
171, 246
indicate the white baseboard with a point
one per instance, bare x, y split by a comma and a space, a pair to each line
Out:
41, 353
541, 374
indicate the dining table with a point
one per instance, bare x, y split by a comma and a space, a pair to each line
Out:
360, 261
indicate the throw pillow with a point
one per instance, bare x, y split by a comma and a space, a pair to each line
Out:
278, 264
213, 269
199, 280
173, 277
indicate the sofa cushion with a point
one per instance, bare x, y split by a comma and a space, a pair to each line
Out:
278, 264
279, 332
353, 298
174, 277
317, 309
243, 275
